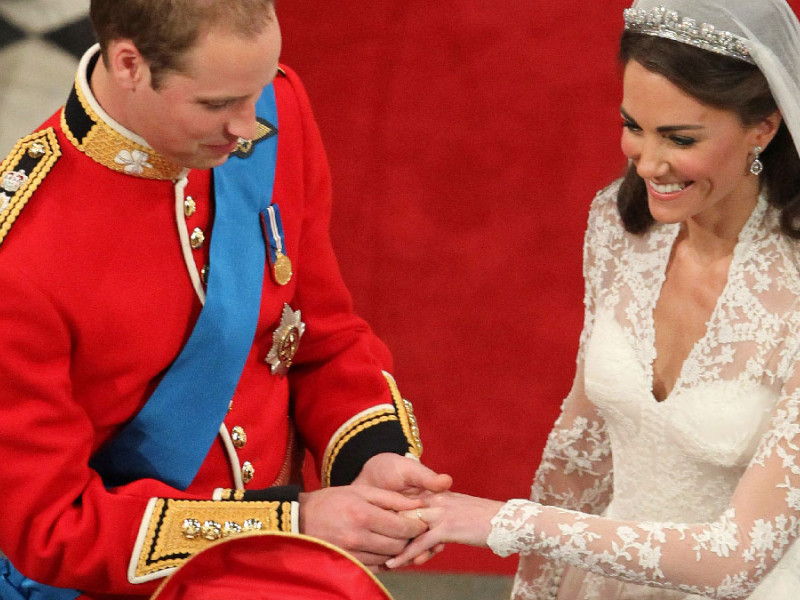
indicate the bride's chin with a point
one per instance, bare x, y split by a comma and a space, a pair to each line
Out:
664, 215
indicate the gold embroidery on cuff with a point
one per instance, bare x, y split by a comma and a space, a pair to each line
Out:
356, 427
178, 529
286, 517
228, 494
405, 412
402, 411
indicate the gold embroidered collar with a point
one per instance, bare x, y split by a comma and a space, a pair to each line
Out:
105, 141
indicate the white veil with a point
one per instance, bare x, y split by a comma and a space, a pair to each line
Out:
771, 32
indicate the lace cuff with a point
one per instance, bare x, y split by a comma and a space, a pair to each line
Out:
513, 528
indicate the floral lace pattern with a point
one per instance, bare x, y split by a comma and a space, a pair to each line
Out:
703, 499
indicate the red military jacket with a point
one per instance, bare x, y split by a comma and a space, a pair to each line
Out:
101, 275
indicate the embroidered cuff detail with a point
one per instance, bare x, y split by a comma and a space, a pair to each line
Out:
172, 531
23, 171
384, 428
405, 412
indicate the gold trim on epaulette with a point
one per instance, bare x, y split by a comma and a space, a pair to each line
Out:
175, 530
21, 173
352, 429
110, 148
405, 412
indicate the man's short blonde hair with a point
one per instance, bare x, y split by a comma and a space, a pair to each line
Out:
165, 30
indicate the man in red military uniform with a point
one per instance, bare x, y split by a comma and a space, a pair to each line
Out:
173, 325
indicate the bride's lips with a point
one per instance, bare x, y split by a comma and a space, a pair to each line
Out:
668, 191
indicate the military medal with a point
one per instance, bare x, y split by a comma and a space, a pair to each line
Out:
282, 269
285, 341
272, 227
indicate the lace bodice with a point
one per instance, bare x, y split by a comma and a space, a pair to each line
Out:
700, 493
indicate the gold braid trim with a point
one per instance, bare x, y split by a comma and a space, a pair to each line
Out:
228, 494
175, 530
408, 420
32, 157
352, 430
402, 411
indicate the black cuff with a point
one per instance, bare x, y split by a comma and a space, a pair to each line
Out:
278, 493
384, 437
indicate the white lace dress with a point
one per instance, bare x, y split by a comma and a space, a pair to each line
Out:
700, 493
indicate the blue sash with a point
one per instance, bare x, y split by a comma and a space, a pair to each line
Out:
170, 437
15, 586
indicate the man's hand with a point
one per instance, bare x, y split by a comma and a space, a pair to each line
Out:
403, 475
451, 518
408, 477
362, 520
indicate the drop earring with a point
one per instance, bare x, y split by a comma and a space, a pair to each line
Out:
757, 167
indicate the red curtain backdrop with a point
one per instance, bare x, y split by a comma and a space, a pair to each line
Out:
466, 140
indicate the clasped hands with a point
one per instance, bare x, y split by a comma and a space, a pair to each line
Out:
397, 511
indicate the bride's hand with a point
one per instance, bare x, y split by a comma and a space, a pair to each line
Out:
451, 517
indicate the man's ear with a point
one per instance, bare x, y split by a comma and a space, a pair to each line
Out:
126, 64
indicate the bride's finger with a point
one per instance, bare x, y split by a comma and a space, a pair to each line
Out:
418, 546
426, 556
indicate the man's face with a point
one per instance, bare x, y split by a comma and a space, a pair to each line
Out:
196, 117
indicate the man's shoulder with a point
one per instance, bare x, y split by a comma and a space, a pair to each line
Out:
23, 171
288, 85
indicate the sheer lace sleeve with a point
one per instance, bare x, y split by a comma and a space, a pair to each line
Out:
575, 470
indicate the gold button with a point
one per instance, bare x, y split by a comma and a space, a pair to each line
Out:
198, 238
204, 274
191, 528
37, 150
211, 530
230, 529
248, 472
189, 206
239, 436
253, 525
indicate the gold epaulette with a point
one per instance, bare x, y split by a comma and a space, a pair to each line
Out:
23, 171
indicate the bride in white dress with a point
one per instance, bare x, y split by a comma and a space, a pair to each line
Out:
673, 470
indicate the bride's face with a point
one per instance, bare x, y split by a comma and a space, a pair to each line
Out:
695, 159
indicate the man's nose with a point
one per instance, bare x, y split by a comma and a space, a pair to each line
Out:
243, 122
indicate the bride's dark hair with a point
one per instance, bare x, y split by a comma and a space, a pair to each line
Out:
725, 83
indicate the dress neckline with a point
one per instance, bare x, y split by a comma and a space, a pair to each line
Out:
669, 235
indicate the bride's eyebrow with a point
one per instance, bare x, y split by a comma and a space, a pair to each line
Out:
663, 128
624, 114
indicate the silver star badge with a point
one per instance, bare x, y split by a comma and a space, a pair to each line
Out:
285, 341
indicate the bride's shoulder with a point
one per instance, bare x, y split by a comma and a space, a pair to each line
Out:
604, 211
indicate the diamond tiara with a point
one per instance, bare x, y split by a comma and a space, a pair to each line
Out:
665, 23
